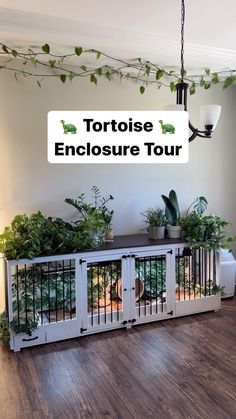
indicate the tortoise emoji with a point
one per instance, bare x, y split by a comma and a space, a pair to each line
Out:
167, 128
68, 128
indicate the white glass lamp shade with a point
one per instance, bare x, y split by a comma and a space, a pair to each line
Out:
209, 116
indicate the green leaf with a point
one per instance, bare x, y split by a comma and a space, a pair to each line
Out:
63, 78
34, 61
78, 51
174, 200
98, 55
139, 60
46, 48
207, 71
108, 75
159, 74
5, 49
200, 204
170, 211
93, 79
71, 75
172, 86
83, 67
229, 81
215, 78
207, 85
52, 63
202, 82
142, 90
147, 69
192, 89
14, 53
2, 66
98, 71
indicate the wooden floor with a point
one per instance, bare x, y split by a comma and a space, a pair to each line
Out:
181, 368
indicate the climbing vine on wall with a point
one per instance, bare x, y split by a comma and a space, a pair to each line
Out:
44, 63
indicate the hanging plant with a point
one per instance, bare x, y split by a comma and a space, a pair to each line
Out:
44, 63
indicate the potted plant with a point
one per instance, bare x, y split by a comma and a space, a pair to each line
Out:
172, 215
94, 219
4, 328
36, 235
192, 223
107, 215
208, 231
156, 220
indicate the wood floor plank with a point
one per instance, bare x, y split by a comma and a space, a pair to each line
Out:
183, 368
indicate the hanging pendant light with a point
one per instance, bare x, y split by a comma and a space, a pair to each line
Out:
209, 114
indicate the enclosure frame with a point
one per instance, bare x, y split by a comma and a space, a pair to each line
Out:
126, 257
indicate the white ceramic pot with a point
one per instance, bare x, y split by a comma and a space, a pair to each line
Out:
156, 233
174, 232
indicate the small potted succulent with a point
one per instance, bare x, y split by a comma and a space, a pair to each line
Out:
156, 221
172, 215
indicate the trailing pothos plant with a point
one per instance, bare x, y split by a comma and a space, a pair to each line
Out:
43, 63
35, 235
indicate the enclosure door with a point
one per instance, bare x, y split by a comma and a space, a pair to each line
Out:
196, 280
42, 293
151, 286
104, 292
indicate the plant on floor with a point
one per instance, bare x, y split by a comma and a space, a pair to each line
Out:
4, 328
94, 219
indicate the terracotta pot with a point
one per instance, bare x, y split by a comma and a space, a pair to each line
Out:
109, 235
